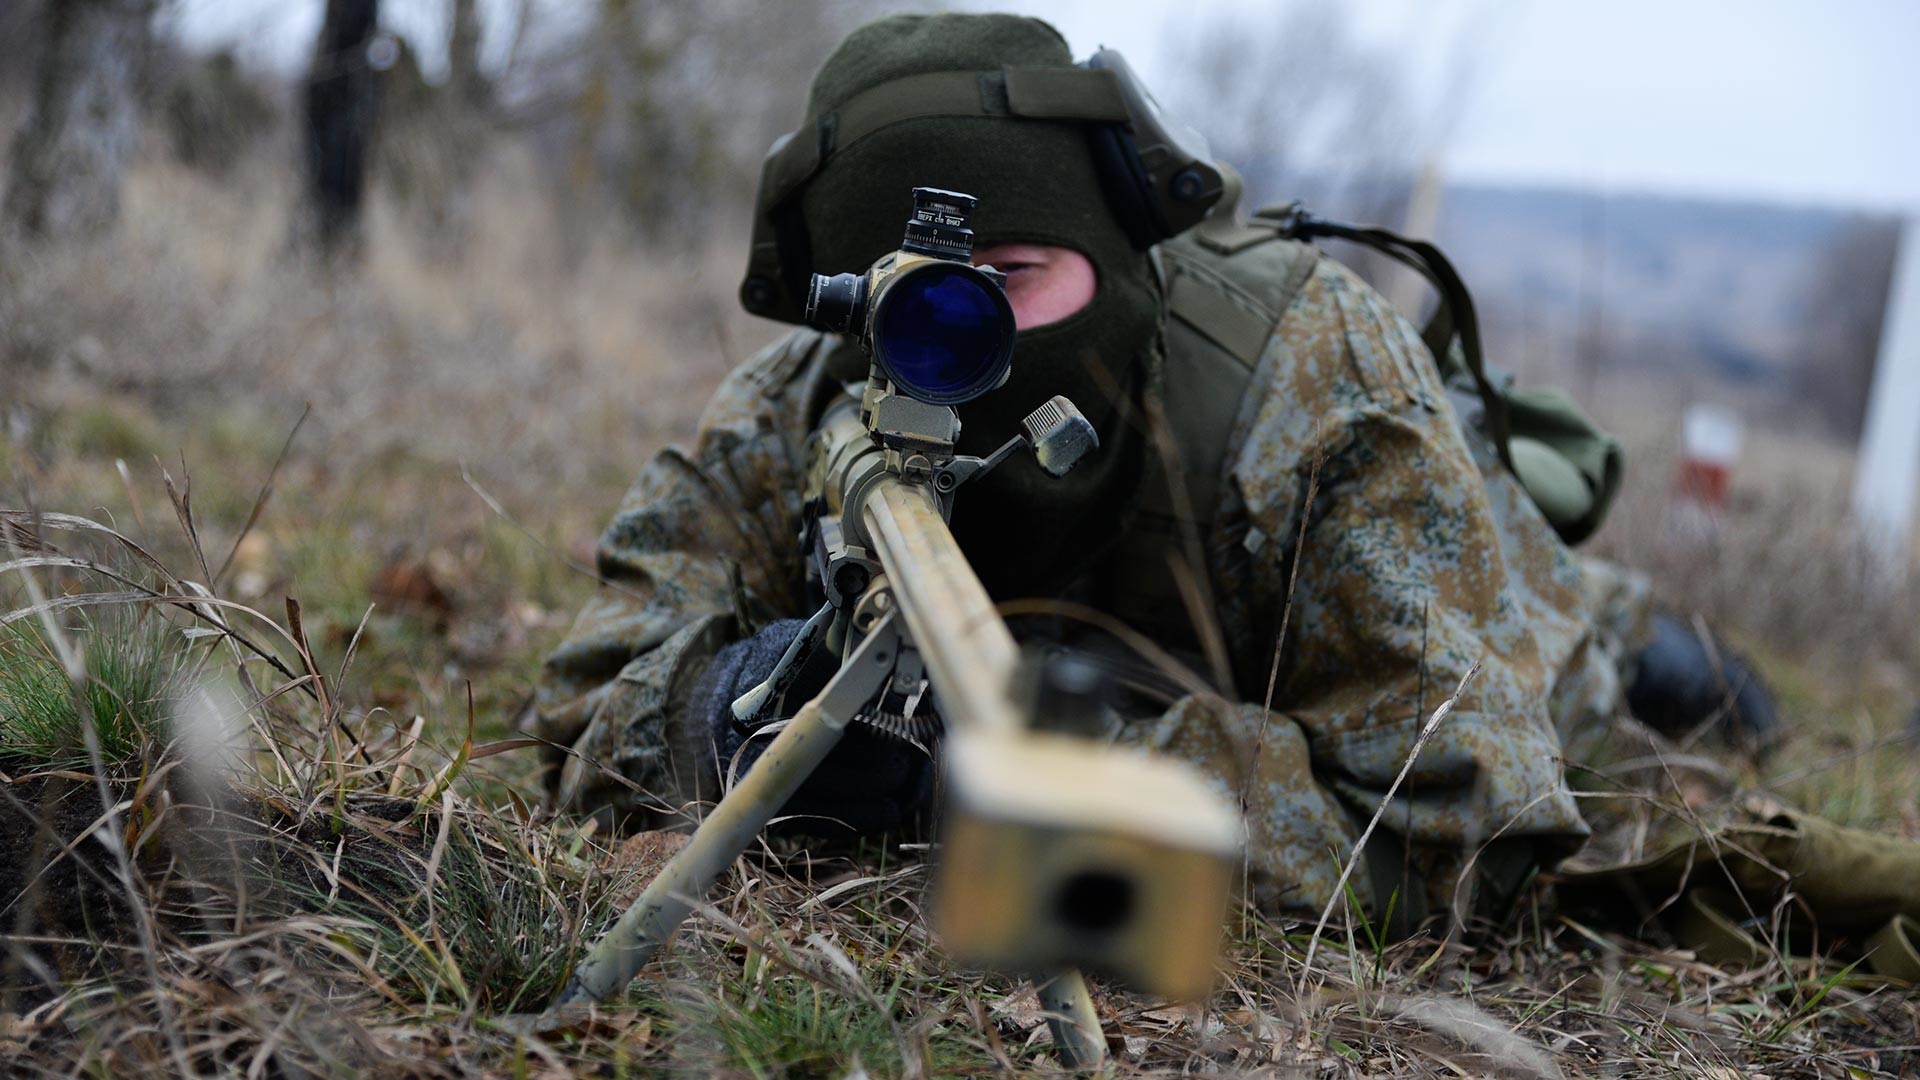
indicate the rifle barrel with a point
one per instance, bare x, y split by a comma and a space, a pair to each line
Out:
966, 646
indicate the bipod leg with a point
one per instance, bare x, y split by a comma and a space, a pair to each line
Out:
739, 816
1077, 1038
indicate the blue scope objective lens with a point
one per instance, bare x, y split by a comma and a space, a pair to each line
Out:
944, 333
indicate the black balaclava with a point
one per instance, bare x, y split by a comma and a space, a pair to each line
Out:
1036, 182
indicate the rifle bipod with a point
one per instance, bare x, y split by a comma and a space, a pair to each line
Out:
739, 817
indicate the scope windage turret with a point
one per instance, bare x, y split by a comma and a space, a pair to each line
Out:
937, 326
939, 228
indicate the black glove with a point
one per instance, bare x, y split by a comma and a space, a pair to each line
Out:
1677, 686
871, 782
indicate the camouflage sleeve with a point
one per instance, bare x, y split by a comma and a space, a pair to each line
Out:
704, 541
1366, 530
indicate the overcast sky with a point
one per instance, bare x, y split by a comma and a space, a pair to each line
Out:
1787, 100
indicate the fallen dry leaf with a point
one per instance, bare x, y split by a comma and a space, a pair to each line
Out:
639, 860
412, 586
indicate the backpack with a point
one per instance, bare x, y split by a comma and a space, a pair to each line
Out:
1228, 282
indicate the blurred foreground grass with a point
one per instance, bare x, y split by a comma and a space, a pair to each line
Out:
450, 592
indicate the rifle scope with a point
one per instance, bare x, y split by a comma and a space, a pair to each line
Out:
940, 328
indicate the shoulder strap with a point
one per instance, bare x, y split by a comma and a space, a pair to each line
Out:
1227, 283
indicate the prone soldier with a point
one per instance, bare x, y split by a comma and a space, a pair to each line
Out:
1298, 536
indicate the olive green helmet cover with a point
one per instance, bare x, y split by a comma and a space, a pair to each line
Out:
1037, 183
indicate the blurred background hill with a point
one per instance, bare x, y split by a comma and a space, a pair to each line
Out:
1776, 309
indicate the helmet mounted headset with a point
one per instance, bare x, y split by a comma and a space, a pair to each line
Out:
1158, 176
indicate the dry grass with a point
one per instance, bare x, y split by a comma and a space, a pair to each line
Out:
358, 891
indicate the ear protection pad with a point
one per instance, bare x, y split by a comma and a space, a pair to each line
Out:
1127, 186
1179, 188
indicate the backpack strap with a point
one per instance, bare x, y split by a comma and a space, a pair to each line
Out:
1567, 465
1454, 319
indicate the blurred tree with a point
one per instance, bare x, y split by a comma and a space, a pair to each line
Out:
1306, 109
64, 179
664, 108
341, 100
433, 139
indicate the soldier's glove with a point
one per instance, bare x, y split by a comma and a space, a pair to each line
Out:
1683, 681
871, 782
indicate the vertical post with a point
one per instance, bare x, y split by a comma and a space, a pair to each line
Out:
1887, 476
1405, 289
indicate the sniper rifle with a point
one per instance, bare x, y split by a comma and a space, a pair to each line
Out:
1056, 852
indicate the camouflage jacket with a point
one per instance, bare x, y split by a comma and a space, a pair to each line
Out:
1367, 550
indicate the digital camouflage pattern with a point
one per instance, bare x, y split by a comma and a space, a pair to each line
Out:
1351, 487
